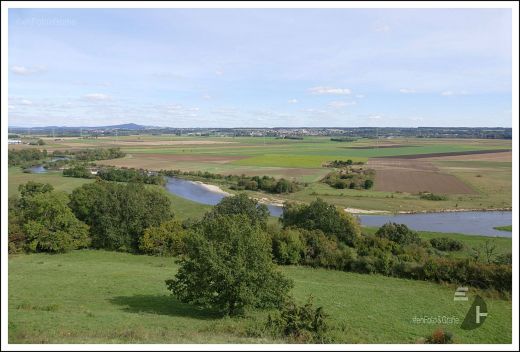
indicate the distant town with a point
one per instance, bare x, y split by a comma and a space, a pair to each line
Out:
281, 132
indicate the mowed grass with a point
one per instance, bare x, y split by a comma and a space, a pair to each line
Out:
107, 297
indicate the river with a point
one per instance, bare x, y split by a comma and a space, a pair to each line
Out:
467, 222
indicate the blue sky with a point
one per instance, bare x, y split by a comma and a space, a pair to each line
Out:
260, 67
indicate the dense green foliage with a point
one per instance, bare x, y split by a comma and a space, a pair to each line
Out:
118, 213
41, 221
97, 154
399, 233
351, 177
167, 239
26, 157
300, 323
241, 204
320, 215
342, 163
432, 196
446, 244
228, 267
79, 170
129, 175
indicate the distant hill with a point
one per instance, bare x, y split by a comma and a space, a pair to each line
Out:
124, 126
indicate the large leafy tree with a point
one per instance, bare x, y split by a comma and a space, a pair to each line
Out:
41, 221
228, 267
320, 215
119, 213
241, 204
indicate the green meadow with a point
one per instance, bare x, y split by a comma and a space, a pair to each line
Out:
94, 296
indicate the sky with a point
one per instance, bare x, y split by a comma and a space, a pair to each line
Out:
260, 67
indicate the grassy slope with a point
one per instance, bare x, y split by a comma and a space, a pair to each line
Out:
60, 183
508, 228
107, 297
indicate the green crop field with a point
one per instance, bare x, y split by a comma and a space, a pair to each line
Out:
107, 297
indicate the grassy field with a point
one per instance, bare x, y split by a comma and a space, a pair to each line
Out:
504, 228
107, 297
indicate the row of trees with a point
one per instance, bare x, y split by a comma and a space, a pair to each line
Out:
26, 157
102, 214
115, 174
242, 182
97, 154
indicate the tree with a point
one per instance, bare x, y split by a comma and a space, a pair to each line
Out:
320, 215
399, 233
228, 267
166, 239
31, 188
288, 247
118, 213
242, 204
49, 225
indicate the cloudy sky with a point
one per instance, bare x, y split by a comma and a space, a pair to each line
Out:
260, 68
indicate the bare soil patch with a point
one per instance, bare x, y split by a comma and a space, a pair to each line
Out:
413, 176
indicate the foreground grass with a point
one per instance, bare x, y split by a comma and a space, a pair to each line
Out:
504, 228
107, 297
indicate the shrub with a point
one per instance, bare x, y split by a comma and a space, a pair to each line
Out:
288, 247
440, 336
320, 215
300, 323
432, 196
446, 244
166, 239
399, 233
228, 267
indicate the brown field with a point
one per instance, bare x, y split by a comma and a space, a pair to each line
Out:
434, 155
166, 161
412, 176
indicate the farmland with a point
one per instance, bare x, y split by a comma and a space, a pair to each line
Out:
474, 174
92, 297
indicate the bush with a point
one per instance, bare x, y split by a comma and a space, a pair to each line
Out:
432, 196
166, 239
288, 247
398, 233
446, 244
320, 215
300, 323
228, 267
440, 336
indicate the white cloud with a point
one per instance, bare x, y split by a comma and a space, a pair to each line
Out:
360, 96
97, 97
374, 117
206, 97
329, 90
24, 71
407, 90
448, 93
26, 102
292, 101
219, 72
337, 104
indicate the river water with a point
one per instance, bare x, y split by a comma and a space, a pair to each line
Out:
468, 222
